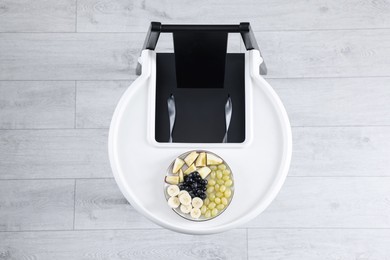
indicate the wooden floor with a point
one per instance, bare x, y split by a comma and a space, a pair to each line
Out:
64, 64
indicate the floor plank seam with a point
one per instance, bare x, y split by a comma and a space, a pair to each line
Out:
157, 228
107, 128
247, 244
112, 178
255, 31
75, 25
74, 204
75, 104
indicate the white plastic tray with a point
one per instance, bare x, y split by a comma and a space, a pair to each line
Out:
260, 164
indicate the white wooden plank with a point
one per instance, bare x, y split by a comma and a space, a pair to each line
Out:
37, 16
329, 202
36, 205
135, 16
100, 205
320, 202
341, 151
309, 102
122, 244
69, 56
344, 53
329, 244
335, 101
96, 102
27, 154
37, 104
113, 56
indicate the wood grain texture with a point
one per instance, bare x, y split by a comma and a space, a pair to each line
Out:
96, 102
113, 56
309, 102
37, 16
122, 244
37, 104
36, 205
28, 154
329, 244
344, 53
336, 101
101, 205
340, 151
304, 202
329, 202
134, 16
68, 56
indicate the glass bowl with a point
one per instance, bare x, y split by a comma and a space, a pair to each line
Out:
208, 178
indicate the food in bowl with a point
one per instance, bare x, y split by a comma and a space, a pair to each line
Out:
199, 185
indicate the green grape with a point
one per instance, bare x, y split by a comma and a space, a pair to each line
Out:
219, 194
220, 206
206, 201
213, 175
203, 209
226, 178
226, 172
213, 167
211, 205
224, 201
212, 197
210, 189
216, 187
220, 182
222, 167
214, 212
207, 214
211, 182
227, 193
219, 174
222, 188
217, 200
228, 183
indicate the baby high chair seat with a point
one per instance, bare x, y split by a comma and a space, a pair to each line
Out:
201, 76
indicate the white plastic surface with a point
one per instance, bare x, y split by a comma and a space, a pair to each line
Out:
260, 164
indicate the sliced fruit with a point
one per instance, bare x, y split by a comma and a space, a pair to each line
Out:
173, 202
182, 192
201, 160
185, 208
177, 165
181, 175
190, 169
197, 202
173, 190
185, 199
190, 159
204, 171
213, 159
172, 179
195, 213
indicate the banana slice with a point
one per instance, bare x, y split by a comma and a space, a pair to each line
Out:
177, 165
181, 175
213, 159
197, 202
195, 213
182, 192
173, 190
173, 202
185, 208
185, 199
